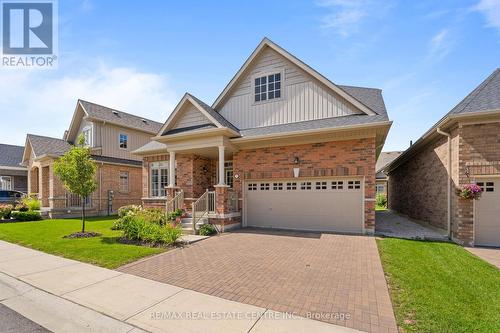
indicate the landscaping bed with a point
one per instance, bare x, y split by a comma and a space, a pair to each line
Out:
440, 287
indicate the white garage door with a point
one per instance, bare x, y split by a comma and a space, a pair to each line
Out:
309, 204
487, 214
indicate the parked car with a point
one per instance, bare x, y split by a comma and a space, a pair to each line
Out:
10, 197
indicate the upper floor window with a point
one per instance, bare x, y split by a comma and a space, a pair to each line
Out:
87, 135
267, 87
123, 141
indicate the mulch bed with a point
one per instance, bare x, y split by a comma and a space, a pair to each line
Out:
83, 235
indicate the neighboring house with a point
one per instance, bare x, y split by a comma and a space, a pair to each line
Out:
384, 159
462, 148
281, 147
111, 135
13, 176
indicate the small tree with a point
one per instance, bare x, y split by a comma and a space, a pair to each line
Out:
77, 170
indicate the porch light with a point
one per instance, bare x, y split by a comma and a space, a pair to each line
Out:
296, 160
204, 169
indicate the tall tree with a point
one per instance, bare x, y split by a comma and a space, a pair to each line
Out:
77, 170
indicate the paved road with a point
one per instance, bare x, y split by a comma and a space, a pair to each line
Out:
13, 322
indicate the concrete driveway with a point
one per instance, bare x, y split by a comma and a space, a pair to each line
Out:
332, 278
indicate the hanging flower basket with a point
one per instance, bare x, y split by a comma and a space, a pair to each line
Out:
470, 191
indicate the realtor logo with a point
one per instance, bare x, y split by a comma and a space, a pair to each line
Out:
29, 33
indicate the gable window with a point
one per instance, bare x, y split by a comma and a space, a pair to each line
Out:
159, 178
123, 141
124, 182
87, 135
267, 87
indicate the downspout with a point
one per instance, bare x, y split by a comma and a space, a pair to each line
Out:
448, 135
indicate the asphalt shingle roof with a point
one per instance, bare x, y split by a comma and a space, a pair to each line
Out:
121, 118
43, 145
11, 156
485, 97
385, 158
370, 97
108, 159
223, 121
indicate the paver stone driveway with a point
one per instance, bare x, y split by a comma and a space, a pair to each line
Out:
332, 278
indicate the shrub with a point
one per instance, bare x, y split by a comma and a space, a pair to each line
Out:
26, 215
5, 211
207, 230
137, 227
32, 203
381, 200
154, 215
122, 211
22, 207
175, 214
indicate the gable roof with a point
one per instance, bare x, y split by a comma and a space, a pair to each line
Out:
103, 113
299, 63
11, 156
44, 145
213, 116
385, 158
483, 100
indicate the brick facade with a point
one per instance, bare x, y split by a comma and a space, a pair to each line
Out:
336, 158
418, 188
195, 174
49, 188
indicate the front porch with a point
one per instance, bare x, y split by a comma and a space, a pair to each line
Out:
198, 180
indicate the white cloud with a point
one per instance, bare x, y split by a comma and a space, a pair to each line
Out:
491, 10
345, 16
440, 45
37, 102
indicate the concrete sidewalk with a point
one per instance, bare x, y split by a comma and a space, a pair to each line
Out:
64, 295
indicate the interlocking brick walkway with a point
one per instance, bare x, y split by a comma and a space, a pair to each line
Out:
303, 273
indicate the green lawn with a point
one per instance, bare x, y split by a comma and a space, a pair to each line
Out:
48, 235
440, 287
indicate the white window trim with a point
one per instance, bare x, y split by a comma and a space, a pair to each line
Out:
158, 166
266, 74
11, 182
119, 140
90, 129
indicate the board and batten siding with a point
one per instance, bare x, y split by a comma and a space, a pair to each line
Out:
110, 135
191, 116
303, 97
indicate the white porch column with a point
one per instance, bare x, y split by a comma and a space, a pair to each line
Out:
222, 180
171, 169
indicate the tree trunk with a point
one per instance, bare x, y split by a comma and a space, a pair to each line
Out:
83, 214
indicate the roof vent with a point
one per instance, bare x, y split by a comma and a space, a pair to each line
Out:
115, 113
144, 121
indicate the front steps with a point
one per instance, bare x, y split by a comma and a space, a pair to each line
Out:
187, 225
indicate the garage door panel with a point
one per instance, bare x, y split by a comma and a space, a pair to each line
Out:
487, 214
312, 205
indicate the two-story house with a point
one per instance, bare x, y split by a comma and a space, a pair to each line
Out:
281, 147
111, 135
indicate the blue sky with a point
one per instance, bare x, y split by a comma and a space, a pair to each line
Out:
141, 56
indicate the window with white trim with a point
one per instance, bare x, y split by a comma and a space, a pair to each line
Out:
267, 87
228, 173
124, 181
159, 178
87, 136
5, 183
486, 186
123, 141
380, 188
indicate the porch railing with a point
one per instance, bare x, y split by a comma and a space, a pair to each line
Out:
176, 202
74, 200
211, 202
203, 206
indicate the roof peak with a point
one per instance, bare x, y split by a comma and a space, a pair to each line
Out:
120, 111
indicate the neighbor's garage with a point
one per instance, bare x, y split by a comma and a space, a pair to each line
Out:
305, 204
487, 214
